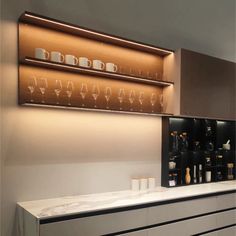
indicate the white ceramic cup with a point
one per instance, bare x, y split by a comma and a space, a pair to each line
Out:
226, 146
84, 62
135, 184
57, 57
151, 183
71, 60
41, 53
208, 176
172, 165
98, 65
143, 184
111, 67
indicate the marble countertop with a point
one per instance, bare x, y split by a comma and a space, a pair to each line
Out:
64, 206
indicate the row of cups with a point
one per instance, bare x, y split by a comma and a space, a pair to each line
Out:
141, 184
55, 56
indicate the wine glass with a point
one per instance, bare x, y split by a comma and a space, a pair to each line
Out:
69, 91
121, 70
161, 101
157, 76
140, 73
83, 92
121, 96
43, 84
32, 83
107, 95
131, 99
153, 100
57, 89
95, 94
131, 71
141, 99
149, 75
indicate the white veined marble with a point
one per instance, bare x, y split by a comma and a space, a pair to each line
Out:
48, 208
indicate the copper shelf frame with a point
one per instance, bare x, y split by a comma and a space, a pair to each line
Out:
93, 72
35, 19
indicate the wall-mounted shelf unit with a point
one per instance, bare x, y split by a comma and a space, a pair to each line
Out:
136, 87
205, 139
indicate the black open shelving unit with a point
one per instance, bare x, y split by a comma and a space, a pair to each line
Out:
221, 130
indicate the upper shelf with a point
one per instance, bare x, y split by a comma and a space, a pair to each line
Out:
32, 18
76, 69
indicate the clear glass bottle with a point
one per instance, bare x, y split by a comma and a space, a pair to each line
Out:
175, 142
230, 174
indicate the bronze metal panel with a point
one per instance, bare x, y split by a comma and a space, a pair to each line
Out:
207, 86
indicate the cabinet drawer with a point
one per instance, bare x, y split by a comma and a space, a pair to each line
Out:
180, 210
226, 201
96, 225
186, 228
231, 231
226, 218
138, 233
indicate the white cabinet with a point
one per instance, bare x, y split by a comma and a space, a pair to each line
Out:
96, 225
180, 218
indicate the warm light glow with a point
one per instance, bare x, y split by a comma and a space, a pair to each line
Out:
221, 122
99, 34
177, 119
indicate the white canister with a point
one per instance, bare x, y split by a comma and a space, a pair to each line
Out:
143, 184
208, 176
151, 183
135, 184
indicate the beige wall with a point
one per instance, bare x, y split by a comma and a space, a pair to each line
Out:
48, 152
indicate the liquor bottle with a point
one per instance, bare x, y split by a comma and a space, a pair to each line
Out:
200, 173
195, 174
187, 176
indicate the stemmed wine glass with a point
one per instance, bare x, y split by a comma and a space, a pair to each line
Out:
161, 101
83, 92
153, 100
141, 99
131, 99
43, 85
131, 71
57, 89
69, 91
157, 76
107, 96
140, 73
121, 96
95, 94
32, 83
